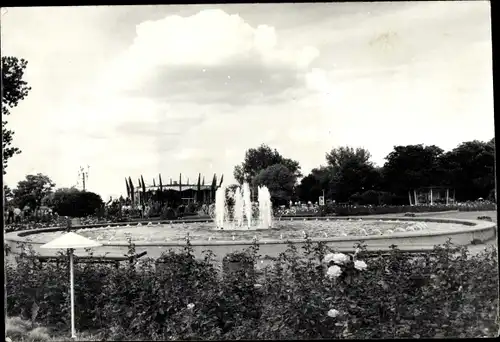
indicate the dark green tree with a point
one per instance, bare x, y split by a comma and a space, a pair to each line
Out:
470, 169
260, 158
352, 171
279, 180
32, 190
75, 203
319, 180
14, 90
411, 167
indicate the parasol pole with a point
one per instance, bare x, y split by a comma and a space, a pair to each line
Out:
72, 293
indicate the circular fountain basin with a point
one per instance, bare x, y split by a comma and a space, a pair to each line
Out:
340, 233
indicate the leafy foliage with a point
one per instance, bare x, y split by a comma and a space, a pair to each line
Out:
446, 293
279, 180
260, 158
75, 203
32, 190
468, 171
14, 90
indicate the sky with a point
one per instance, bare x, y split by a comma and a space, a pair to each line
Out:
143, 90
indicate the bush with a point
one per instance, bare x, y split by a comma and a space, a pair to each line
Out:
168, 214
191, 209
353, 210
18, 329
181, 209
447, 293
485, 218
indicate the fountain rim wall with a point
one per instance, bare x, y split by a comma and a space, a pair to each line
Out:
472, 227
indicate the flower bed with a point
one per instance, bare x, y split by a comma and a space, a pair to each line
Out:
446, 293
381, 210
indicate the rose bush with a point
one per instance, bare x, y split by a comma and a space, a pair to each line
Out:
353, 210
313, 292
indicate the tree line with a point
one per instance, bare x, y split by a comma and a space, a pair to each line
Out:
349, 175
38, 191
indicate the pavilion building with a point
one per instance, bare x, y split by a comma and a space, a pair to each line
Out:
430, 195
188, 193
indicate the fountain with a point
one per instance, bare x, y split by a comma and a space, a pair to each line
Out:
234, 218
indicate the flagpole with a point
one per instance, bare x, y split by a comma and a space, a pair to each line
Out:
72, 293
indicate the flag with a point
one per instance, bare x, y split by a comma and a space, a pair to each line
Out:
131, 187
198, 187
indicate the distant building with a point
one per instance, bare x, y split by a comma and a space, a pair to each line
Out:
183, 193
431, 195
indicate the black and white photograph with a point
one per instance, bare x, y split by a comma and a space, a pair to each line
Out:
249, 171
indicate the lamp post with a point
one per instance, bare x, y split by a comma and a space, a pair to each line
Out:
71, 241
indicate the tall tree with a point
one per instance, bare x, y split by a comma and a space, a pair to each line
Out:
470, 169
352, 172
412, 166
14, 90
8, 195
32, 190
279, 180
75, 203
339, 156
319, 180
260, 158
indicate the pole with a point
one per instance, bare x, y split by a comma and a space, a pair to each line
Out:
72, 293
4, 273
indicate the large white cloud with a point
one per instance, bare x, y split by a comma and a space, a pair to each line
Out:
208, 57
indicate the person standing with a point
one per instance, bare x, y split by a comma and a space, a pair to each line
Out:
10, 217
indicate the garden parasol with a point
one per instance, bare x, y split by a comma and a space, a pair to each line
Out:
71, 241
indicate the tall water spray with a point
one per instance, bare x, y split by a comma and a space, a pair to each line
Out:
242, 209
265, 207
239, 208
220, 206
247, 204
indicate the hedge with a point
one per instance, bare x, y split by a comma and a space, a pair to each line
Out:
447, 293
381, 210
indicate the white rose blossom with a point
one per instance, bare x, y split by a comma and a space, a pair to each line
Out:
190, 306
360, 265
333, 313
333, 272
338, 258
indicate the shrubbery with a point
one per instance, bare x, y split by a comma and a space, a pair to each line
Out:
354, 210
168, 214
444, 294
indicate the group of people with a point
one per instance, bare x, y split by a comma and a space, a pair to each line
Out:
14, 215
